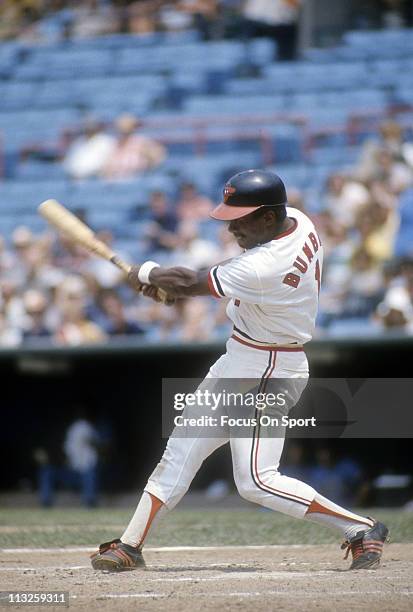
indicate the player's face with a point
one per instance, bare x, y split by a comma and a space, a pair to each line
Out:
248, 231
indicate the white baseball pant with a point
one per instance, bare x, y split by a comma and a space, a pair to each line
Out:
255, 459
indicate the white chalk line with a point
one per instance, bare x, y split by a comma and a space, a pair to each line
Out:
303, 595
76, 549
157, 567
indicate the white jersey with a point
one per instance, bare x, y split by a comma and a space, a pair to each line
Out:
273, 288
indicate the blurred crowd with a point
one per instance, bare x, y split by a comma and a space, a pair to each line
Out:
51, 288
98, 150
60, 20
366, 223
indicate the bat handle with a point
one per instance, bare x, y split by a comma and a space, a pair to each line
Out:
121, 264
125, 267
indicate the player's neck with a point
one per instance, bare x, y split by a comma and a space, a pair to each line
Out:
279, 229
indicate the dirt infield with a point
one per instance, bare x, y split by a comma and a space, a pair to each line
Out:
308, 577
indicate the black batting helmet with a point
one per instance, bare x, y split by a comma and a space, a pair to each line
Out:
247, 191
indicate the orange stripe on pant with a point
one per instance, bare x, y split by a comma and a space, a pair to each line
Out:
155, 507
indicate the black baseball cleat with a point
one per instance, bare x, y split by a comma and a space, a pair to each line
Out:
115, 556
366, 547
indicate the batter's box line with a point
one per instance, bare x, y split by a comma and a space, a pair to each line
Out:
162, 549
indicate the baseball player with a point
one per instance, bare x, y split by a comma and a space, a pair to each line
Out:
272, 288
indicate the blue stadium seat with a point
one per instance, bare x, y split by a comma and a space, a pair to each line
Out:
368, 99
136, 102
9, 57
16, 96
355, 327
27, 195
404, 95
20, 128
251, 105
66, 63
304, 102
209, 173
293, 175
262, 51
335, 156
39, 170
373, 39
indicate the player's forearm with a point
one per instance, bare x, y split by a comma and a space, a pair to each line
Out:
178, 282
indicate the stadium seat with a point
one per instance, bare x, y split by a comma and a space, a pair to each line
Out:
19, 196
249, 105
16, 96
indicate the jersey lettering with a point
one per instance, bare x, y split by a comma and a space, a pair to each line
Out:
308, 252
301, 265
318, 274
314, 242
292, 279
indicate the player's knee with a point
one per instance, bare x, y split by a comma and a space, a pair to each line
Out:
249, 491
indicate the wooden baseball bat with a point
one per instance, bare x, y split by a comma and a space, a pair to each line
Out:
62, 219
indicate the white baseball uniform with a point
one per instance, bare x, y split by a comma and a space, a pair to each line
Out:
273, 290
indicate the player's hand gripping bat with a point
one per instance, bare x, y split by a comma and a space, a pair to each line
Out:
65, 221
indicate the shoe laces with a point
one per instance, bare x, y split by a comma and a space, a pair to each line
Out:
105, 547
356, 548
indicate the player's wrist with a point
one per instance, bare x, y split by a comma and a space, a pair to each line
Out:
144, 271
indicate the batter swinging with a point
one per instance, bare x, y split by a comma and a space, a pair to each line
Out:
273, 289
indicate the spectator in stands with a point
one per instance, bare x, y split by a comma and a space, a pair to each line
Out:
338, 245
11, 303
193, 251
9, 335
142, 16
195, 323
396, 174
74, 327
22, 243
191, 205
344, 198
132, 153
7, 260
227, 245
395, 312
116, 321
277, 19
394, 13
390, 137
92, 18
160, 234
105, 274
88, 154
202, 15
40, 273
18, 17
363, 288
296, 199
35, 305
377, 226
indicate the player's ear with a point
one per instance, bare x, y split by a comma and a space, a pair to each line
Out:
269, 217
